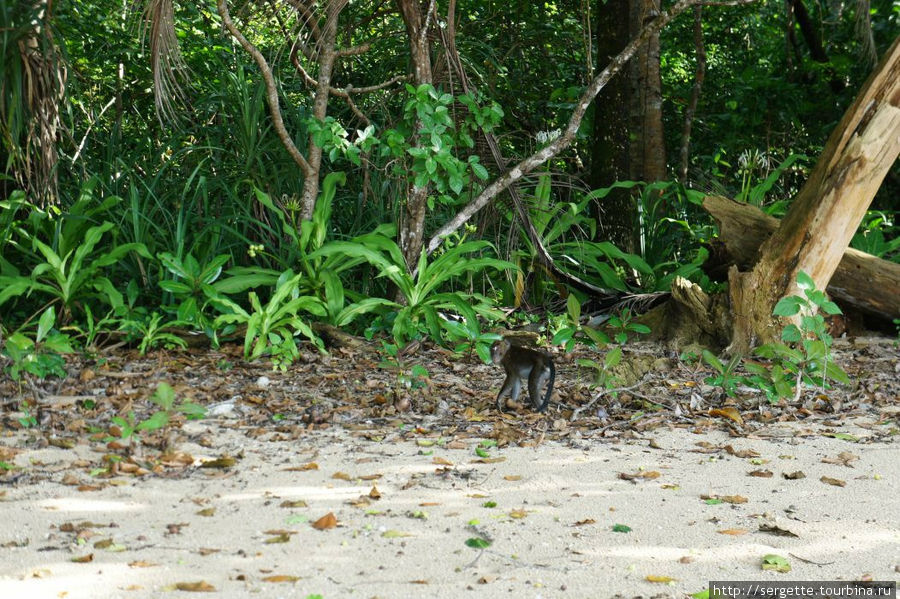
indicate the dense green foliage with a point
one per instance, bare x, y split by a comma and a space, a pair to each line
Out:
194, 223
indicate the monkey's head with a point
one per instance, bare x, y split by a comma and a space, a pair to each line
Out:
498, 350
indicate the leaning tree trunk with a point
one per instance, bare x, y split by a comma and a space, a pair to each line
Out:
822, 219
863, 282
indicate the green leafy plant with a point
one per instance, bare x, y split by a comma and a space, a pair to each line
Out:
466, 336
151, 331
419, 313
271, 327
427, 114
129, 427
40, 355
320, 271
804, 353
726, 375
604, 371
572, 331
802, 357
623, 323
192, 287
871, 236
413, 378
75, 276
619, 326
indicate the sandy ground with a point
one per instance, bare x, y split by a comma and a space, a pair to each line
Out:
407, 501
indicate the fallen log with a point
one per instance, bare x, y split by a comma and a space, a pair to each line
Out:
861, 281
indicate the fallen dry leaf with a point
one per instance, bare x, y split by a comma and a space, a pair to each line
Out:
776, 530
293, 504
833, 481
395, 534
281, 578
733, 498
360, 502
730, 413
281, 538
741, 453
489, 460
220, 462
735, 532
845, 458
325, 522
644, 474
195, 587
303, 468
341, 476
793, 475
760, 473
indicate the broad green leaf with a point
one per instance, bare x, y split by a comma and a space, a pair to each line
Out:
788, 306
45, 324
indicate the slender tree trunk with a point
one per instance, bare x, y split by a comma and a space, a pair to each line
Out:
325, 61
822, 219
412, 226
691, 109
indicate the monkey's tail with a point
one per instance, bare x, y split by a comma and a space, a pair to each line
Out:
549, 386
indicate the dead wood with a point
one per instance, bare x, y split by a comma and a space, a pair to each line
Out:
861, 281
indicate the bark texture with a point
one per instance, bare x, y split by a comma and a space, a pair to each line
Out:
412, 226
822, 219
865, 282
609, 146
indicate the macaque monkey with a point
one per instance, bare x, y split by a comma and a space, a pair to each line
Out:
521, 364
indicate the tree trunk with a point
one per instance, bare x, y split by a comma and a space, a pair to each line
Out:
412, 227
325, 60
531, 162
691, 108
868, 284
647, 148
33, 88
609, 146
822, 219
627, 144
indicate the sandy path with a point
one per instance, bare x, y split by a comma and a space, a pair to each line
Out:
549, 512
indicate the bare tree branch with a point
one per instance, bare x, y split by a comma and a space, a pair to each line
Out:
271, 90
563, 141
